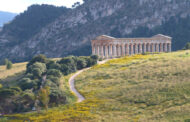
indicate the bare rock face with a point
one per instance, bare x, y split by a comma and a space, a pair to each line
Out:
71, 33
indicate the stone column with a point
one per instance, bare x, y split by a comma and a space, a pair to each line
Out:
102, 51
144, 51
93, 49
140, 50
98, 50
157, 47
136, 48
106, 51
165, 47
123, 50
119, 50
110, 50
114, 51
132, 51
161, 47
148, 47
153, 47
169, 47
127, 49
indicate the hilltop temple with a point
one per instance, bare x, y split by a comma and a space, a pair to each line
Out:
109, 47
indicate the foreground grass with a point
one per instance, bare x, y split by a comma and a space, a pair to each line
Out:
137, 88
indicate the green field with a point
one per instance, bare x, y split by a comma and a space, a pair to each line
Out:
137, 88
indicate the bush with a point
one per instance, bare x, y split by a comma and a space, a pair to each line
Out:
57, 97
54, 72
65, 69
53, 79
37, 69
81, 63
95, 57
187, 46
9, 65
44, 96
25, 83
53, 65
39, 58
7, 92
91, 62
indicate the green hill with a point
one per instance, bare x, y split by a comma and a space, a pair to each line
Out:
137, 88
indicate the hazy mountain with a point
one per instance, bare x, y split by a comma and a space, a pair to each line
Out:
6, 17
71, 32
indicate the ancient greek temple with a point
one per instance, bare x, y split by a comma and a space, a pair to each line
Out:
110, 47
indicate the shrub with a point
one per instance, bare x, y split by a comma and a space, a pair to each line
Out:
39, 58
25, 83
53, 65
81, 63
9, 65
187, 46
91, 62
7, 92
54, 72
53, 79
57, 97
37, 69
44, 96
95, 57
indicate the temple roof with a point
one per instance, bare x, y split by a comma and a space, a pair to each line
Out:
104, 37
163, 36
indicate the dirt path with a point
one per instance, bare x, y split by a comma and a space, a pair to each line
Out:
72, 82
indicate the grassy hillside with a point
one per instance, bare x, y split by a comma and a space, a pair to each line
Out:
8, 77
137, 88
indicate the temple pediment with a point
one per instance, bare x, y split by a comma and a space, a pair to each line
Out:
104, 37
161, 36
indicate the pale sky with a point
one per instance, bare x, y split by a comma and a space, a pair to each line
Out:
17, 6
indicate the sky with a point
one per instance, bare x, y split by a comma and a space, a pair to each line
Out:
17, 6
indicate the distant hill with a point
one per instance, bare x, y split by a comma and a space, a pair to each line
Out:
6, 17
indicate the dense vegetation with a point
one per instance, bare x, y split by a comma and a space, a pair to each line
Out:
40, 86
29, 23
138, 88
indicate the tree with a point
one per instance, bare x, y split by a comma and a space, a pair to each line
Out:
44, 96
54, 72
76, 5
187, 46
95, 57
9, 65
39, 58
37, 69
81, 63
25, 83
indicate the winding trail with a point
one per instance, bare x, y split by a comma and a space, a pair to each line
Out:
72, 82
